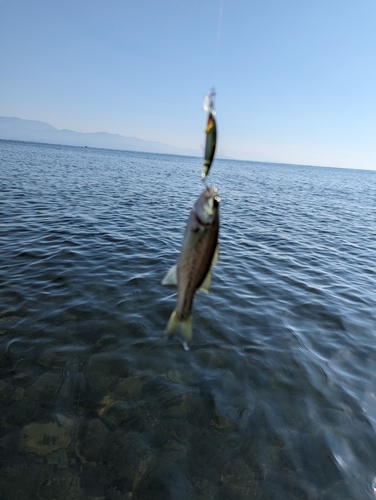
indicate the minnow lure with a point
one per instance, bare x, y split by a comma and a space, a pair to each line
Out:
211, 134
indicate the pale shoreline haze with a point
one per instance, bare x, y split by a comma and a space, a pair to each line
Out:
16, 129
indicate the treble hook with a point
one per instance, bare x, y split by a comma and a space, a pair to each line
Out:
209, 101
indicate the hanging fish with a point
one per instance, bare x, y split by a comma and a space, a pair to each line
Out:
199, 252
211, 134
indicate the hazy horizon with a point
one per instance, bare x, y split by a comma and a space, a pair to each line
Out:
196, 155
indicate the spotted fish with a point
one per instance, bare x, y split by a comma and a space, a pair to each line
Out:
200, 250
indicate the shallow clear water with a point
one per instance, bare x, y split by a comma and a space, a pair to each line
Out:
277, 397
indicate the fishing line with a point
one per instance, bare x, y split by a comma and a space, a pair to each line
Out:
211, 127
218, 39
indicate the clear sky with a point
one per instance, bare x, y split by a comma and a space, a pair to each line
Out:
295, 79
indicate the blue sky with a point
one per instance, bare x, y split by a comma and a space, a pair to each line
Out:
295, 80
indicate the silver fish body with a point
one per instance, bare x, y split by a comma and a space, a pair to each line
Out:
199, 252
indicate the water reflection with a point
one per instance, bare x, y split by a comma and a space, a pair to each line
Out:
276, 399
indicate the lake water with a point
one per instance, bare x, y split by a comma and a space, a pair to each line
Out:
276, 398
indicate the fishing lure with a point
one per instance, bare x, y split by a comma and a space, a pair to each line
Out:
211, 133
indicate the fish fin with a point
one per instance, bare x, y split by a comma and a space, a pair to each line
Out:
171, 277
205, 286
184, 327
216, 256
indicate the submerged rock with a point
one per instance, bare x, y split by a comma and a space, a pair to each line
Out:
205, 489
104, 370
115, 413
7, 322
10, 393
19, 481
44, 438
59, 458
21, 413
50, 385
115, 494
131, 387
60, 485
181, 376
237, 479
212, 358
93, 442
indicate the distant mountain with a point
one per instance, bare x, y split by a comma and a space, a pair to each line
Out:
17, 129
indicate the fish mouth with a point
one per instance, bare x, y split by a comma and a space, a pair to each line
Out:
199, 220
213, 192
205, 213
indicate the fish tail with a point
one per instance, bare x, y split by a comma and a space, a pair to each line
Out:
182, 326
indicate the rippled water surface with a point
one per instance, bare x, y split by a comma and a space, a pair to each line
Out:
277, 397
